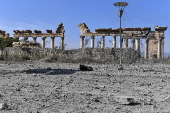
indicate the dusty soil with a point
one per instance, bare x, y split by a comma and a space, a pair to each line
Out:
63, 88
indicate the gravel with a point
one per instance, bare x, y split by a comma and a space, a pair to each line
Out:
62, 87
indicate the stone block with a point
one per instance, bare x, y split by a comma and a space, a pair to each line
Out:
125, 100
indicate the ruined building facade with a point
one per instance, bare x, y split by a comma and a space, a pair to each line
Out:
154, 40
37, 33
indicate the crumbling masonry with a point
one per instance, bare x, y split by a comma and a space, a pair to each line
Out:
154, 40
37, 33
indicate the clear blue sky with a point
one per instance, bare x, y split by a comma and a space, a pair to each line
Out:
47, 14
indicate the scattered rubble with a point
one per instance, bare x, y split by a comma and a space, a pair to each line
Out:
105, 89
4, 106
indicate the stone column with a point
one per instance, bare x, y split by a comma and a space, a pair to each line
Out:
114, 41
92, 41
62, 43
162, 48
34, 39
43, 41
6, 35
17, 38
25, 38
146, 48
103, 42
159, 48
52, 42
138, 44
82, 41
133, 43
125, 43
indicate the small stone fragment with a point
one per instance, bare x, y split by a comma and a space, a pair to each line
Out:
3, 106
120, 67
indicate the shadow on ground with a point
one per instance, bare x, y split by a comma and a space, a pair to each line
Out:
132, 104
51, 71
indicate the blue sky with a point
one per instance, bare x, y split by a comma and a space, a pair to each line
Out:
47, 14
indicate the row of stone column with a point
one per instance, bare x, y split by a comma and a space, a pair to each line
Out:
113, 43
133, 40
52, 41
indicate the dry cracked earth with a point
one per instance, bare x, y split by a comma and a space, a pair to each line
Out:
62, 88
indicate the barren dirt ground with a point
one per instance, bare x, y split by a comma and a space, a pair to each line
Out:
63, 88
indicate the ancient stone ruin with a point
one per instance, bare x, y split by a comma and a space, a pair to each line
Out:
154, 44
37, 33
4, 34
154, 40
26, 44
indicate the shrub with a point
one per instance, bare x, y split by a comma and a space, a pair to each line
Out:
1, 57
54, 57
25, 57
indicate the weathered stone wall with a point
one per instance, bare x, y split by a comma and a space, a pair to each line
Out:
153, 48
110, 54
98, 54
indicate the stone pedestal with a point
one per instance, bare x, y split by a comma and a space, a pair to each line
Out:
92, 41
82, 41
103, 42
34, 39
114, 41
52, 42
125, 43
146, 48
62, 43
43, 42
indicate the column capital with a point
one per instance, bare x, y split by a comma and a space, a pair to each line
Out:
92, 37
25, 38
17, 37
53, 37
62, 38
133, 39
44, 37
147, 39
82, 36
162, 38
34, 38
159, 39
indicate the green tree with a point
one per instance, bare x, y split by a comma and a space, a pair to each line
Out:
6, 42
